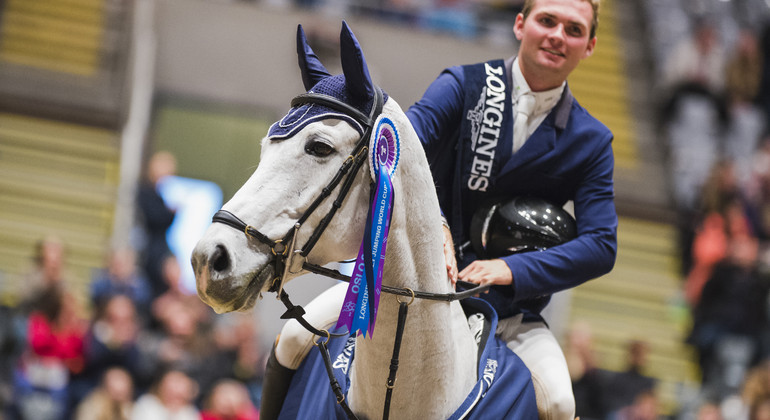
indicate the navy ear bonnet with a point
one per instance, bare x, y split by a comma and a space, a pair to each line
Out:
354, 87
299, 117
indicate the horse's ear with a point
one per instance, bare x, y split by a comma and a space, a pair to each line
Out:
309, 64
354, 67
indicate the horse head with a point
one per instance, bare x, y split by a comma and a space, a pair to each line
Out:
279, 204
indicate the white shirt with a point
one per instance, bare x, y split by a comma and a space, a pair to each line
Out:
544, 101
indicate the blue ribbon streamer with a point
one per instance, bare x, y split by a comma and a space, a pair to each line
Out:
366, 280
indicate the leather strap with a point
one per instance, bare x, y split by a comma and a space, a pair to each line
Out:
403, 308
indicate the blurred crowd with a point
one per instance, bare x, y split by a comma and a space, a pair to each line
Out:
461, 18
601, 394
138, 346
713, 80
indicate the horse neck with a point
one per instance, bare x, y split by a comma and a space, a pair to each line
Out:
416, 238
437, 362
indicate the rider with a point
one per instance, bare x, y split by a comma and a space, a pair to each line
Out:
559, 152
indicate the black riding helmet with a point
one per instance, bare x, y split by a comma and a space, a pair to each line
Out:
520, 225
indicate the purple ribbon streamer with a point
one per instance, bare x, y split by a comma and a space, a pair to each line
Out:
359, 309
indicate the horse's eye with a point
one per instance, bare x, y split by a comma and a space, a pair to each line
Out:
318, 148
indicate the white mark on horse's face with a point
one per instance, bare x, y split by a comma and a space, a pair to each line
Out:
232, 268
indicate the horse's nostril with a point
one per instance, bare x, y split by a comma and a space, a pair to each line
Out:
220, 260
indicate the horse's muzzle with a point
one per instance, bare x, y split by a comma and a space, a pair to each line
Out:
220, 283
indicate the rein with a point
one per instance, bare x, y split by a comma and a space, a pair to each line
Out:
288, 260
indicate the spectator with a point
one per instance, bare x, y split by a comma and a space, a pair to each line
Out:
629, 387
180, 339
756, 388
122, 277
397, 11
185, 343
155, 218
743, 72
12, 340
699, 59
249, 366
54, 352
763, 99
588, 381
162, 309
730, 315
112, 341
709, 410
709, 248
504, 6
229, 400
721, 188
240, 355
451, 16
758, 190
743, 75
57, 327
170, 399
761, 411
644, 407
709, 245
48, 269
113, 400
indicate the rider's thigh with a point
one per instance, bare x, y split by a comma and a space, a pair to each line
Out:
536, 346
322, 312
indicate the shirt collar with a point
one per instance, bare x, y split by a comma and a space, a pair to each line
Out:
544, 101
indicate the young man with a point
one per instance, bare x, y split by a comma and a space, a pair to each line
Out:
467, 121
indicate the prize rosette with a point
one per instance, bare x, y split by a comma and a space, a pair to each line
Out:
385, 147
359, 310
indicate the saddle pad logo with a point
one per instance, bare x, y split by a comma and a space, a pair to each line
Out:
343, 359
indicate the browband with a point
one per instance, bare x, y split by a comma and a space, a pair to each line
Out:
335, 104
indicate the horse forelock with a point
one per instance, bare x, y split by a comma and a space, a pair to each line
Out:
299, 117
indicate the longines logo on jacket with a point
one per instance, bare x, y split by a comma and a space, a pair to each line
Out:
486, 120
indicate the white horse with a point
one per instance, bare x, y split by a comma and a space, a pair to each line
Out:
438, 363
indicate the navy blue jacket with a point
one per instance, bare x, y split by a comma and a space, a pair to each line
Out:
568, 157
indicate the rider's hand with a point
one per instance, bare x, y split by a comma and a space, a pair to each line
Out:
483, 272
449, 256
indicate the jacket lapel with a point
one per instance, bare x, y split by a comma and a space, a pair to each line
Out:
543, 140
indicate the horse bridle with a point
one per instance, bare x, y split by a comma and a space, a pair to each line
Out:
283, 249
284, 261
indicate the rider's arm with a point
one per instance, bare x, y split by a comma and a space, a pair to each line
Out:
436, 116
588, 256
